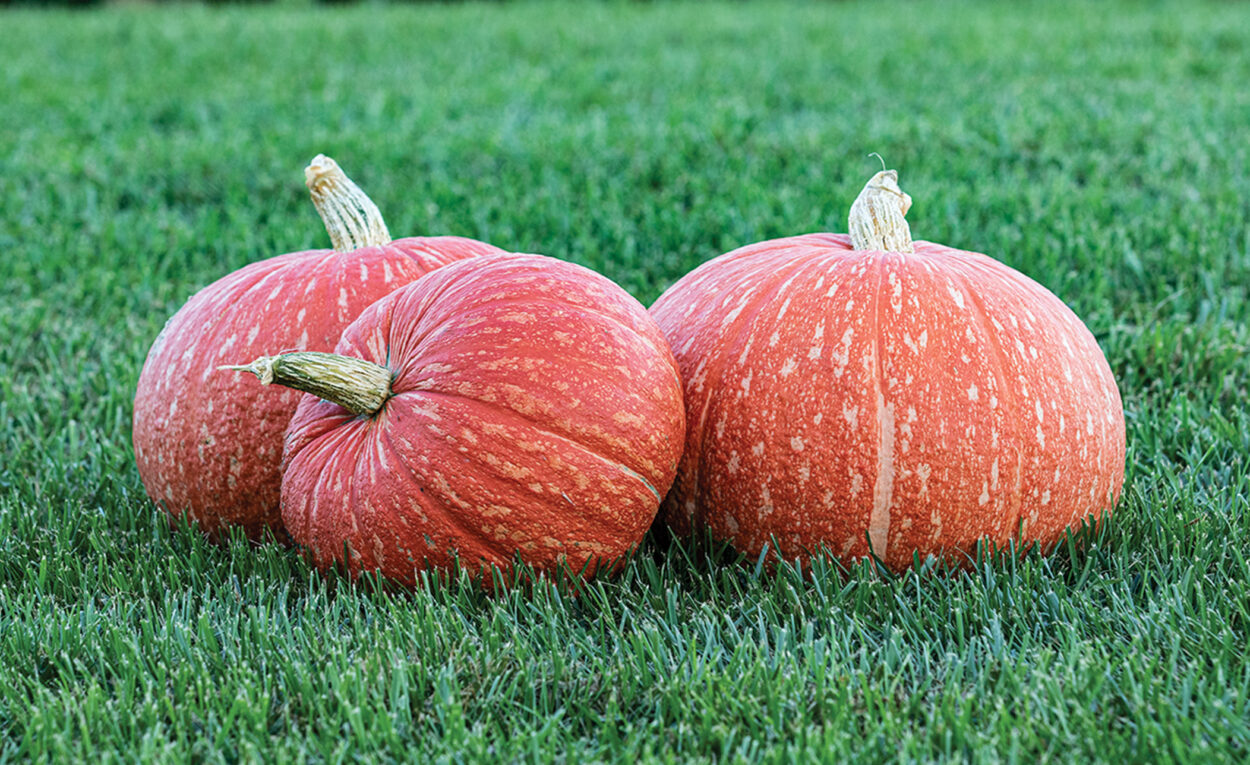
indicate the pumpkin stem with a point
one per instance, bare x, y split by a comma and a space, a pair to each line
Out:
351, 217
876, 220
359, 386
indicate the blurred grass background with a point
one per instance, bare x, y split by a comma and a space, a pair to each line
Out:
145, 150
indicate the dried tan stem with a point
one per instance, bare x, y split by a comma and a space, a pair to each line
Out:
351, 218
359, 386
877, 216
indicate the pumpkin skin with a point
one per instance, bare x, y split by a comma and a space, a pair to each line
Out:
210, 444
919, 401
534, 409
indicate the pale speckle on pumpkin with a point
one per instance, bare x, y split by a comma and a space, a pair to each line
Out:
766, 507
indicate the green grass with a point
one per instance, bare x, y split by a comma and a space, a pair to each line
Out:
1102, 149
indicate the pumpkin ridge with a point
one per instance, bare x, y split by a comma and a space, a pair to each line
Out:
448, 513
306, 259
731, 337
589, 310
353, 498
215, 321
434, 295
327, 442
1062, 312
499, 548
430, 253
538, 427
420, 331
314, 260
1007, 397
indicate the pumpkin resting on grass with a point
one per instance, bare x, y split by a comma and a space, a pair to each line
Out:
509, 405
854, 390
210, 444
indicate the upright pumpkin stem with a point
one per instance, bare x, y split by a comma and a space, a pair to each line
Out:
351, 217
876, 220
359, 386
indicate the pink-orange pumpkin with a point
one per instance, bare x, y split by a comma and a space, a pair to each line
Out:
854, 391
508, 405
210, 444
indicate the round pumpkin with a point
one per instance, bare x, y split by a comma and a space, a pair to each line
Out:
510, 405
210, 445
865, 393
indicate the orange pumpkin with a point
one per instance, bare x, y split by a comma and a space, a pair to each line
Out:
867, 393
209, 445
508, 405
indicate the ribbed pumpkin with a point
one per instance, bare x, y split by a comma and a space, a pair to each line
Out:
508, 405
848, 391
210, 444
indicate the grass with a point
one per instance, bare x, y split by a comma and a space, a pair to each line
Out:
144, 151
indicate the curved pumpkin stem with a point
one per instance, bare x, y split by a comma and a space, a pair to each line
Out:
359, 386
352, 219
877, 216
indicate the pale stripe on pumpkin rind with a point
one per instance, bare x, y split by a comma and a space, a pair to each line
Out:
540, 420
301, 301
947, 395
960, 454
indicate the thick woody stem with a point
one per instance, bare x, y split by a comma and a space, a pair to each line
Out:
359, 386
876, 219
351, 218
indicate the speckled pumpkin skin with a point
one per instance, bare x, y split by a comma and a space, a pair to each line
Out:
921, 401
209, 442
535, 409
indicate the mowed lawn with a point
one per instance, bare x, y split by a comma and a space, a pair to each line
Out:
1102, 149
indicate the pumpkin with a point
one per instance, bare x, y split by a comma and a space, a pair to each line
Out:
209, 445
507, 406
866, 394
